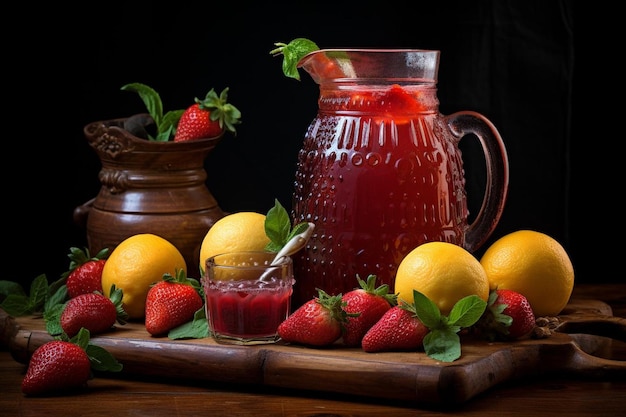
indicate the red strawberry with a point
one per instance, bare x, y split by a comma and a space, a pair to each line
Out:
370, 303
85, 273
318, 322
508, 316
171, 303
94, 311
56, 366
398, 329
207, 118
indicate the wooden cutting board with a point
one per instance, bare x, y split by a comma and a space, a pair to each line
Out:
587, 327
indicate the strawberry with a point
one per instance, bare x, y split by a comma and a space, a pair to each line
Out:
318, 322
207, 118
370, 303
399, 329
56, 366
171, 303
85, 273
508, 316
93, 311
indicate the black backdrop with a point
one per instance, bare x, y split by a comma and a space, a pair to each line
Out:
524, 64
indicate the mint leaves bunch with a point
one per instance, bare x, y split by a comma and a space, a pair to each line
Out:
443, 342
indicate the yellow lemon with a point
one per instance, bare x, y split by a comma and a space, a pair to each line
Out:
241, 231
135, 264
443, 272
533, 264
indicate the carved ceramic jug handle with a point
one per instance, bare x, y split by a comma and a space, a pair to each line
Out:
465, 123
81, 213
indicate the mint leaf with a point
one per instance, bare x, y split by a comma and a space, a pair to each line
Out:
292, 53
52, 316
277, 226
151, 99
101, 359
443, 345
426, 310
10, 287
17, 303
442, 341
467, 311
198, 328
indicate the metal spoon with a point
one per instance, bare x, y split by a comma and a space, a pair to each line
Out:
294, 245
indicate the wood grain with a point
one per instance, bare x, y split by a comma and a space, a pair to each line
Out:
403, 376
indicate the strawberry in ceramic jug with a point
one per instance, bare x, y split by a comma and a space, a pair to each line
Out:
208, 118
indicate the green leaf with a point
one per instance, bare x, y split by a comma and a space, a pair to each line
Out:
39, 292
17, 305
467, 311
151, 99
52, 316
426, 310
58, 297
81, 338
10, 287
443, 345
102, 360
277, 225
198, 328
292, 53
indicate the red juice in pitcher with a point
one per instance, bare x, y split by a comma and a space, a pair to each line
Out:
380, 171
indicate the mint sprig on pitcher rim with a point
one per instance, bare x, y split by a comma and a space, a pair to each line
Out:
292, 53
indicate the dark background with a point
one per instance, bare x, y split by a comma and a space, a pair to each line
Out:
537, 69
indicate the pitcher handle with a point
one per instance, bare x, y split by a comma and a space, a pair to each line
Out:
464, 123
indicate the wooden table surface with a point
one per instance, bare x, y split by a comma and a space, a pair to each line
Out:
133, 396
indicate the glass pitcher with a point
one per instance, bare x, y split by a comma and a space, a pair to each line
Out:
380, 170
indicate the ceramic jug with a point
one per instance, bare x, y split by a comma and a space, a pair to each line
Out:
380, 170
148, 187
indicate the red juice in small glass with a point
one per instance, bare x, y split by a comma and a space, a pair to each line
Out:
246, 298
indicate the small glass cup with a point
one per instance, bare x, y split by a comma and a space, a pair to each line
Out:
247, 297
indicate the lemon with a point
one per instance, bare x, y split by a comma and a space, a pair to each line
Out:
235, 232
135, 264
443, 272
533, 264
